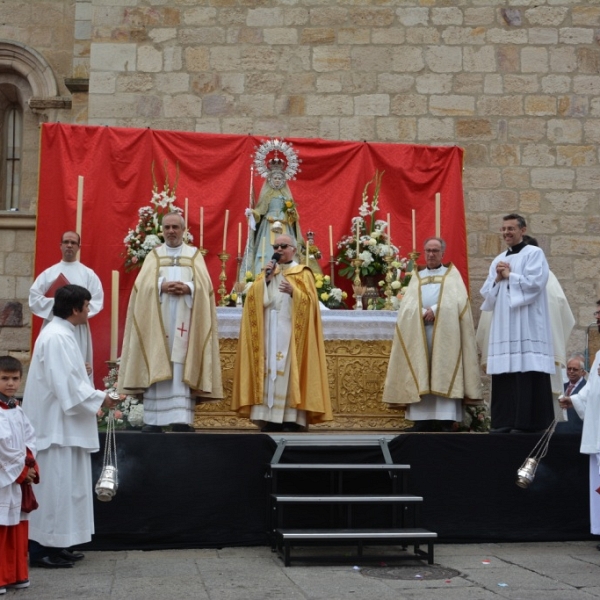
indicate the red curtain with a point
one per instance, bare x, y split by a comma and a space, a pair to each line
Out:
215, 174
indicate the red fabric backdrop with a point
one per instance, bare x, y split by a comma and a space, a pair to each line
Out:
215, 173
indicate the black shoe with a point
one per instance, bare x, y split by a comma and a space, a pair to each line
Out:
182, 428
500, 430
52, 562
291, 427
598, 547
71, 556
18, 585
271, 427
152, 429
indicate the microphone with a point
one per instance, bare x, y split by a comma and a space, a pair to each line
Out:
276, 256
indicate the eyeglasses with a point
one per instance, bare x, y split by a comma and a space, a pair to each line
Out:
280, 246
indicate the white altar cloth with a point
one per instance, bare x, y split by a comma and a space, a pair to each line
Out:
337, 324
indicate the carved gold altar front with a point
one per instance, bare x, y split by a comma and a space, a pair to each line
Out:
356, 371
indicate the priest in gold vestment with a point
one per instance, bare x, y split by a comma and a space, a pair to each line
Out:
433, 364
280, 377
171, 346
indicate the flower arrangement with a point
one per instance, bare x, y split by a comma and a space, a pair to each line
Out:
480, 420
290, 211
373, 240
148, 234
129, 413
240, 288
331, 297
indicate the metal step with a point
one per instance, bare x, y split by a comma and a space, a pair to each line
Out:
344, 498
333, 537
337, 467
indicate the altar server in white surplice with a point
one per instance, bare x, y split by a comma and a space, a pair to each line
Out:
68, 270
433, 364
171, 345
587, 404
562, 321
61, 404
520, 350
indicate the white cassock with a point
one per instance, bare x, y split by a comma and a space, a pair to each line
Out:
77, 274
278, 334
431, 406
562, 322
62, 405
587, 404
16, 435
520, 334
171, 401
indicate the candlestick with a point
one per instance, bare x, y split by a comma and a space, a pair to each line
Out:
185, 214
223, 257
202, 227
239, 238
225, 231
331, 241
332, 270
114, 316
414, 230
438, 209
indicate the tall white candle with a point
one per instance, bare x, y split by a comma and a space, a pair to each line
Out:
438, 210
389, 228
414, 230
239, 238
114, 317
331, 241
225, 230
79, 210
202, 227
185, 214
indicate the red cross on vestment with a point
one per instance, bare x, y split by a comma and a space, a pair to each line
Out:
182, 329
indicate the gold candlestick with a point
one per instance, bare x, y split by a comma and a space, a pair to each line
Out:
223, 257
414, 256
357, 286
203, 251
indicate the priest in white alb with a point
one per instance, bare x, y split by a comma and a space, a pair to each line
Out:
61, 404
68, 270
433, 364
520, 350
171, 346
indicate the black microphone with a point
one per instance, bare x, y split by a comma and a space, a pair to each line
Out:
276, 256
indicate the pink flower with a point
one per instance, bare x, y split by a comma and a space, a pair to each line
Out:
134, 259
118, 414
100, 413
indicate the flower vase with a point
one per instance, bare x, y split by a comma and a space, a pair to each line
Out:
372, 289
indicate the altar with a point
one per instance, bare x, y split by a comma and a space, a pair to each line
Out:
357, 348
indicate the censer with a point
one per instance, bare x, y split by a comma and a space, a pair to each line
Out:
108, 482
526, 472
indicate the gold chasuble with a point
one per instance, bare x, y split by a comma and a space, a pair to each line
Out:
146, 358
452, 369
308, 388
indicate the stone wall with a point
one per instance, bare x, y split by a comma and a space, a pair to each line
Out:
516, 84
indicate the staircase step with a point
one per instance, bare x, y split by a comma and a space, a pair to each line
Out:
344, 498
337, 467
356, 534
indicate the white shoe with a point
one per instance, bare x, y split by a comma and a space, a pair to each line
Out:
2, 591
